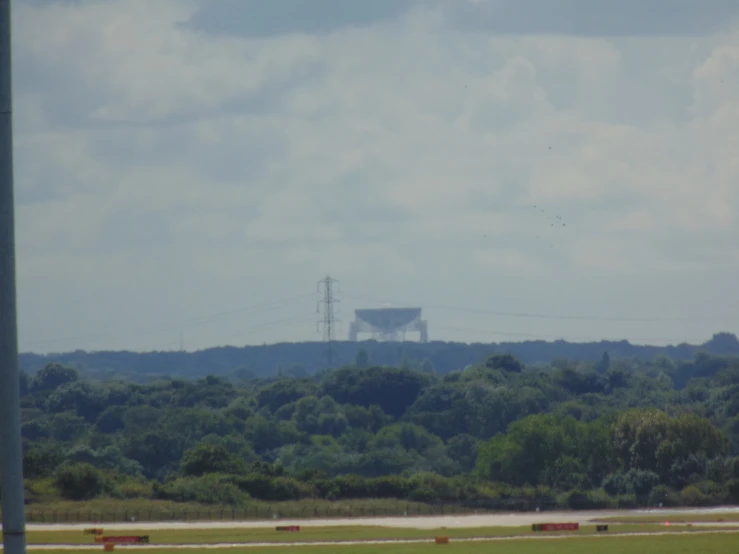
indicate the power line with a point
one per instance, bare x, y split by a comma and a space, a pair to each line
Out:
542, 315
183, 324
591, 338
282, 322
329, 320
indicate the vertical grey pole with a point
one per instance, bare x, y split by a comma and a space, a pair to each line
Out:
13, 504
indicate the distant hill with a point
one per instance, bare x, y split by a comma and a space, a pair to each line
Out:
306, 358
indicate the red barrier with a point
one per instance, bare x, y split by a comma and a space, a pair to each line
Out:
560, 526
289, 528
127, 540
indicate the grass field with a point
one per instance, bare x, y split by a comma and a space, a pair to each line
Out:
683, 544
319, 534
157, 510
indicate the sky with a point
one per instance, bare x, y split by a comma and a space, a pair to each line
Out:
186, 171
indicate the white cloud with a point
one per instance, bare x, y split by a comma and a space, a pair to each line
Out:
165, 173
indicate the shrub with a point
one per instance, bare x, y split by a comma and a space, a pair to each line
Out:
692, 496
613, 484
428, 487
635, 481
345, 487
210, 458
274, 489
732, 489
640, 482
665, 496
582, 500
627, 501
714, 493
80, 482
134, 489
209, 489
40, 490
391, 487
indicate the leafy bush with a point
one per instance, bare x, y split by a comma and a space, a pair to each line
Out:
80, 482
732, 489
586, 500
635, 481
428, 487
664, 496
627, 501
692, 496
134, 489
40, 490
210, 458
265, 487
209, 489
713, 492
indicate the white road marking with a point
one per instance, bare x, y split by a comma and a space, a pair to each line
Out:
516, 519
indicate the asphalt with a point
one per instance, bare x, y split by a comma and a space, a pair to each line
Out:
517, 519
438, 523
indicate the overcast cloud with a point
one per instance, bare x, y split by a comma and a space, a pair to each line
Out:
192, 167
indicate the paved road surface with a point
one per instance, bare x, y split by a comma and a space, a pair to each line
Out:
516, 519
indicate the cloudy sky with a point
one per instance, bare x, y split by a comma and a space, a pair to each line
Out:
189, 169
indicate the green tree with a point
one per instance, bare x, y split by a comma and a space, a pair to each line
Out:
53, 376
464, 449
42, 460
80, 482
394, 390
506, 362
362, 359
158, 452
210, 458
111, 420
605, 363
282, 392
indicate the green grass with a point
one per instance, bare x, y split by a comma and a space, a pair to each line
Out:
684, 544
109, 510
318, 534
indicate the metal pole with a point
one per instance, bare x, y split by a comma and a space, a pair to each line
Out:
13, 504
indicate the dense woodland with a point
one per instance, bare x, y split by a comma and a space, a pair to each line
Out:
306, 358
582, 434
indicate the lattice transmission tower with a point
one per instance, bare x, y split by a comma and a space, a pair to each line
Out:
329, 321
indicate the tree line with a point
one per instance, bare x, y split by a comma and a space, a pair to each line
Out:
306, 358
615, 431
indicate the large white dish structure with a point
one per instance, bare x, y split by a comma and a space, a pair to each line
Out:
388, 324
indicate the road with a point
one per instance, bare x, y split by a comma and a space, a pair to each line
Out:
517, 519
